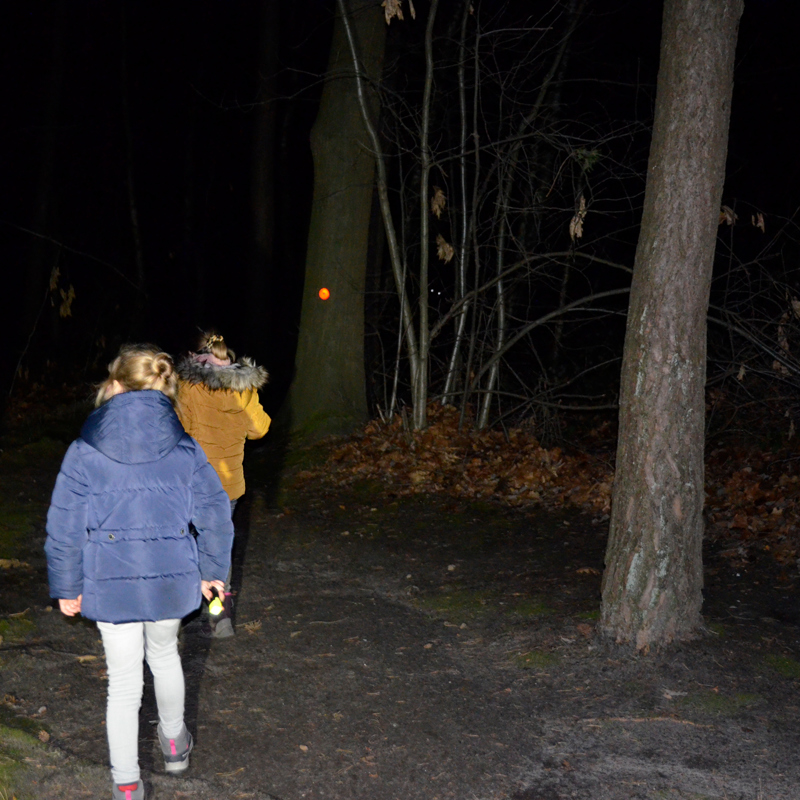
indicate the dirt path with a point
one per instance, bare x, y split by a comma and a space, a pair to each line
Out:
422, 649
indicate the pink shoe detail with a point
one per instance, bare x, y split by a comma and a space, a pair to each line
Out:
172, 747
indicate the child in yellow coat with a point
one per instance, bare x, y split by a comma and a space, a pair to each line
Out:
219, 407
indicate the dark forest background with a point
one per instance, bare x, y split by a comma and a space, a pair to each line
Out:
128, 146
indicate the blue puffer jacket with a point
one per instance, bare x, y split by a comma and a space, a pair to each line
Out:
118, 524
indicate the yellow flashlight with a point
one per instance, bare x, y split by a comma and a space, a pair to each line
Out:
215, 606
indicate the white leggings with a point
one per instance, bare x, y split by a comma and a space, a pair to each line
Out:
126, 646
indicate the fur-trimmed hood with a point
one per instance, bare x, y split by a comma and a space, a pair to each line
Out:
240, 376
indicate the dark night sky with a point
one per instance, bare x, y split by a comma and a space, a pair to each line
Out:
191, 80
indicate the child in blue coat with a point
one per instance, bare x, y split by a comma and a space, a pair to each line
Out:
120, 551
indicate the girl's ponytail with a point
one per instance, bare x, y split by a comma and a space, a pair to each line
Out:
214, 343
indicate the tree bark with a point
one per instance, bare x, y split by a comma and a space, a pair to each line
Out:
420, 385
44, 255
263, 179
133, 207
398, 260
328, 395
653, 579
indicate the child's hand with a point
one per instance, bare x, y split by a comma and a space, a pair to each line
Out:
207, 588
71, 607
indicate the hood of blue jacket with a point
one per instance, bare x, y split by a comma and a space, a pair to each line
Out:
134, 427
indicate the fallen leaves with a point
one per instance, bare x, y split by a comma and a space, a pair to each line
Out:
511, 467
752, 503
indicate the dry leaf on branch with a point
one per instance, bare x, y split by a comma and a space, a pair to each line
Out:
757, 220
438, 202
576, 223
54, 276
778, 367
444, 249
728, 215
65, 310
392, 9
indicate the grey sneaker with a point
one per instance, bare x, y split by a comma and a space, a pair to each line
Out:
128, 791
175, 751
223, 629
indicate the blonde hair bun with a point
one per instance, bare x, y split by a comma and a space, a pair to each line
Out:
163, 365
139, 367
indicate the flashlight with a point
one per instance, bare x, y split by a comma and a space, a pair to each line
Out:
215, 606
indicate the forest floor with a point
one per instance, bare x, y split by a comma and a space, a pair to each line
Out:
410, 648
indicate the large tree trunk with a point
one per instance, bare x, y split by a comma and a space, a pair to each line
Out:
653, 579
328, 394
44, 254
263, 180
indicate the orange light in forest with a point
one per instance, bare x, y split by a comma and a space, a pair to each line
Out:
324, 294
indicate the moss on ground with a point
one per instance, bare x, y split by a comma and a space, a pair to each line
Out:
18, 512
532, 608
459, 605
717, 703
15, 629
535, 659
784, 665
19, 742
43, 451
16, 521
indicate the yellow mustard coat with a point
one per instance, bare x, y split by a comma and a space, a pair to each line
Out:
219, 407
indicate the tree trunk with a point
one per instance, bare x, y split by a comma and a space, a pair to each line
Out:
328, 394
263, 180
653, 579
133, 206
419, 387
44, 255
